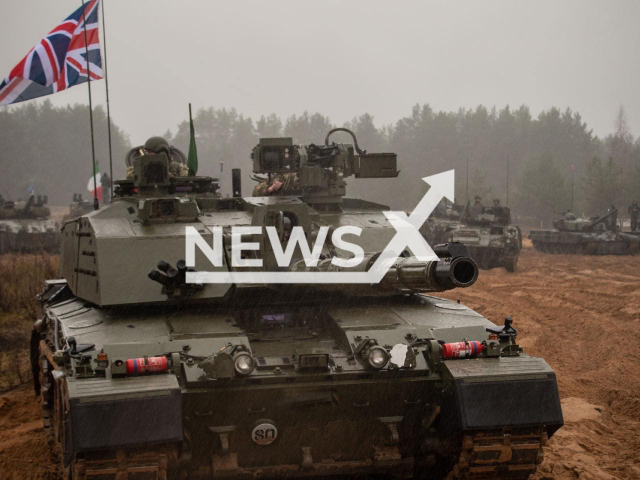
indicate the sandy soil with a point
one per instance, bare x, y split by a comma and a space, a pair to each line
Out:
582, 314
25, 452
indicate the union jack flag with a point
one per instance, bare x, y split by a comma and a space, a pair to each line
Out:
59, 61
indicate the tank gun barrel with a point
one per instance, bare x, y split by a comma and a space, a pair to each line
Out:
454, 269
603, 218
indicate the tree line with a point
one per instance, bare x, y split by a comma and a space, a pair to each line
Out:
49, 148
529, 162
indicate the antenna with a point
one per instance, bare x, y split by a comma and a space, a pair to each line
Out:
93, 145
106, 82
467, 186
572, 188
507, 180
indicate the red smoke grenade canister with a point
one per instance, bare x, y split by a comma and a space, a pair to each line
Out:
139, 366
460, 350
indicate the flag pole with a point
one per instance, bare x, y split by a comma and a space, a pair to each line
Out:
572, 210
93, 146
106, 83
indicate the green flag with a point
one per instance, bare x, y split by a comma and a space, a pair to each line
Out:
192, 160
467, 207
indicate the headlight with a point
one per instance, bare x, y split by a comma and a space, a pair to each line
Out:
244, 364
377, 357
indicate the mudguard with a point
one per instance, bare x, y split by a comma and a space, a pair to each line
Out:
105, 414
491, 393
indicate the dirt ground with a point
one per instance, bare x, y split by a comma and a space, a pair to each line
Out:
582, 314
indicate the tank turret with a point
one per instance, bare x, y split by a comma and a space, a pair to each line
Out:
78, 207
600, 223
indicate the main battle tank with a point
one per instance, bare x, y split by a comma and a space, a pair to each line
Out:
27, 227
598, 235
493, 241
78, 207
445, 217
146, 369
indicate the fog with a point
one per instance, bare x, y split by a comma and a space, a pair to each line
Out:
472, 86
346, 58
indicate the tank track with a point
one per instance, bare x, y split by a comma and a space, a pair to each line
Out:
500, 454
143, 465
615, 247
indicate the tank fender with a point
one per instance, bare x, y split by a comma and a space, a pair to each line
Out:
491, 393
119, 412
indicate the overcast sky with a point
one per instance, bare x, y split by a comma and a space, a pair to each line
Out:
344, 58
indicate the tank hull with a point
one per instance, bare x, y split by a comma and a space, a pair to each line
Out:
430, 420
28, 236
489, 247
558, 242
494, 257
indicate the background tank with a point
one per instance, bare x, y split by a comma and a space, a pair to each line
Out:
594, 236
140, 372
78, 207
493, 241
27, 226
446, 217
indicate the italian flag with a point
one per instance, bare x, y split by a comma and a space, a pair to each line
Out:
94, 186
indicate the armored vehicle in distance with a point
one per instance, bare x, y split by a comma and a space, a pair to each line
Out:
27, 226
581, 236
446, 217
78, 207
492, 240
144, 372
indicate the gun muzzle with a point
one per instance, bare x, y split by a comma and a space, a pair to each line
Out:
454, 269
458, 272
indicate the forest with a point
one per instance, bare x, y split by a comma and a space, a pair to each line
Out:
539, 166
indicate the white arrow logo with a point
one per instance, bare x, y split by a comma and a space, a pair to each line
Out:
407, 236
